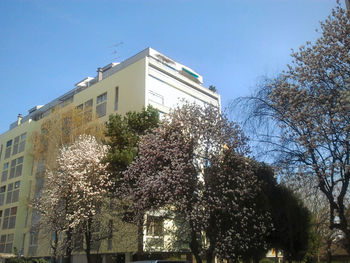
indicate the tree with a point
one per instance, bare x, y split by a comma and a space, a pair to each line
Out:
293, 231
193, 166
62, 127
122, 136
292, 223
310, 103
322, 237
78, 190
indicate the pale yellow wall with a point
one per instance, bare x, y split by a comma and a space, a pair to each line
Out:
131, 83
25, 178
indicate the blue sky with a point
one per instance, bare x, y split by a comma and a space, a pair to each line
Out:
46, 46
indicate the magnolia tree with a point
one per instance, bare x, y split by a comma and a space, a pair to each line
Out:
310, 103
76, 191
192, 167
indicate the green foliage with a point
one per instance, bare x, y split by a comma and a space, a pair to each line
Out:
293, 229
266, 260
315, 244
26, 260
292, 222
212, 88
123, 134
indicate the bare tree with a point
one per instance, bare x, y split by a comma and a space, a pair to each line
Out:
310, 105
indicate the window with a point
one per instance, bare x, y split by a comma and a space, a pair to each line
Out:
155, 97
9, 218
0, 217
16, 167
5, 172
80, 107
13, 192
33, 238
116, 98
88, 111
2, 194
8, 149
154, 226
101, 105
6, 242
19, 144
1, 150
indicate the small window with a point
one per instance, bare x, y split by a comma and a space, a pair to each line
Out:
15, 146
9, 143
101, 98
16, 167
116, 98
5, 172
154, 226
101, 105
80, 107
9, 218
8, 245
1, 150
8, 149
88, 110
13, 192
155, 97
2, 194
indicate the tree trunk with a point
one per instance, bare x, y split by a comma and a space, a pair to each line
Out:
68, 255
88, 239
329, 251
54, 246
140, 238
194, 246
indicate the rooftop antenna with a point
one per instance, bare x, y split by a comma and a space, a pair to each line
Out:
115, 51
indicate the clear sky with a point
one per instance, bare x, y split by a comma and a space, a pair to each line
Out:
46, 46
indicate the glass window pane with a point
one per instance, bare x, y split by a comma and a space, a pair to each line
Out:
15, 196
15, 149
8, 248
22, 145
7, 212
2, 199
101, 109
19, 170
17, 184
5, 224
9, 197
23, 136
14, 210
12, 222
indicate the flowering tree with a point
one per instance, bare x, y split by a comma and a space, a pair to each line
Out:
193, 165
310, 102
76, 190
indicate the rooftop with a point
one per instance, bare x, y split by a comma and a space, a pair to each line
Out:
40, 111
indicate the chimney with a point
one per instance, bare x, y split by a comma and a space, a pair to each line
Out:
19, 119
99, 74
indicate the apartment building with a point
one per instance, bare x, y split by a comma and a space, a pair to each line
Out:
148, 77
